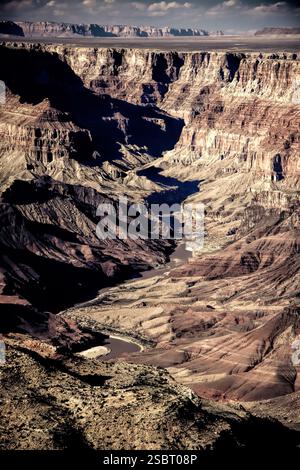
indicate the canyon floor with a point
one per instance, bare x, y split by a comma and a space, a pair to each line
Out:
83, 124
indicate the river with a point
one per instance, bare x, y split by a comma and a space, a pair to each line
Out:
175, 192
117, 345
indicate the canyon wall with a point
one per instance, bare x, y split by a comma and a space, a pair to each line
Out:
241, 111
52, 29
277, 31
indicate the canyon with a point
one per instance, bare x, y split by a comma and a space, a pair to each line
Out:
83, 125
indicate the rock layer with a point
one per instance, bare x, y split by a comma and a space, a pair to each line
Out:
50, 29
277, 31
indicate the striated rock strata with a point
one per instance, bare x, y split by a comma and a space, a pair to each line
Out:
277, 31
52, 29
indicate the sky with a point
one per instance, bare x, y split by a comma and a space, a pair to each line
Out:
231, 16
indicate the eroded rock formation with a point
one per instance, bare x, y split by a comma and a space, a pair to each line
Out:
98, 123
277, 31
52, 29
79, 405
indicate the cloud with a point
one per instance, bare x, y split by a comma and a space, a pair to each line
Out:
138, 6
231, 6
162, 8
95, 4
17, 6
263, 9
224, 7
231, 3
96, 8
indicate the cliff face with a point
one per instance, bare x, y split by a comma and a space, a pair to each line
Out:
240, 110
51, 29
10, 28
277, 31
88, 118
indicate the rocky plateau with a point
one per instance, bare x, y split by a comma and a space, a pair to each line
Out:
41, 29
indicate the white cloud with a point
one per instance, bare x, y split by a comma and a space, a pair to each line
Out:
138, 6
224, 7
93, 7
165, 6
89, 3
162, 8
231, 3
263, 9
229, 6
94, 3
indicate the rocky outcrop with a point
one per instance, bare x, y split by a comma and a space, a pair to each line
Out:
51, 255
138, 93
52, 84
41, 29
227, 338
277, 31
77, 405
218, 32
10, 28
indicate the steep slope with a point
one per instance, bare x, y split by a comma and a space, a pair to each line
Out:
49, 238
49, 244
80, 405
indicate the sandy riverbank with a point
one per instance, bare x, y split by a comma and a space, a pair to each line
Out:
115, 344
95, 352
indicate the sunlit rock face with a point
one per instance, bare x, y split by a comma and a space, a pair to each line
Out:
40, 29
245, 117
240, 110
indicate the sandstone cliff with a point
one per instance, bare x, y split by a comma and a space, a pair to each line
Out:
277, 31
205, 90
51, 29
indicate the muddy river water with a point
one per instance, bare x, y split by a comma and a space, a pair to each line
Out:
175, 192
115, 346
